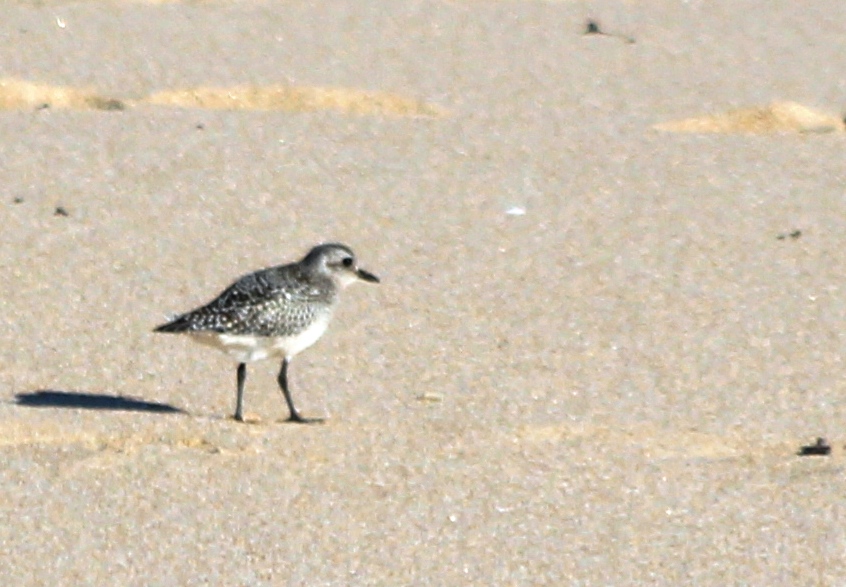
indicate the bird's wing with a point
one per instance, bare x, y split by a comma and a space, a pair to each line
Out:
255, 304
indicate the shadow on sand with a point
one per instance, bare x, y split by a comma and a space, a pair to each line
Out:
90, 401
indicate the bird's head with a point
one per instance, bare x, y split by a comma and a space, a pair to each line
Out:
338, 262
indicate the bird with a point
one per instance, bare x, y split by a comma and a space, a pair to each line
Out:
274, 312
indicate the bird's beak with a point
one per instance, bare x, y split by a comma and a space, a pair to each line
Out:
366, 276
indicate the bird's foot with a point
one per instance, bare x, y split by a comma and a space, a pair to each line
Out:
297, 419
246, 419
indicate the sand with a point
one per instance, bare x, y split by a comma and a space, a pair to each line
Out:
601, 336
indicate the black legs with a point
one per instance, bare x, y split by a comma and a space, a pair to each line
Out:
239, 402
283, 385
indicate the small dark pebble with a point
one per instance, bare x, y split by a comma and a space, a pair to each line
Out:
61, 211
794, 235
592, 28
821, 448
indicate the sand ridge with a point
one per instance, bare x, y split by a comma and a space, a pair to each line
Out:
785, 117
653, 441
17, 94
294, 99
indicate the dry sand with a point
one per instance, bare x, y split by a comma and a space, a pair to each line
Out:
605, 387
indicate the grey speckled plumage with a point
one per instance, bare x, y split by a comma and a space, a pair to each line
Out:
277, 311
279, 301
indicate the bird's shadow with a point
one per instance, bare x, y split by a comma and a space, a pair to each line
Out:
48, 398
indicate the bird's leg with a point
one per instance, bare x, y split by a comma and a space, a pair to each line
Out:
239, 402
283, 384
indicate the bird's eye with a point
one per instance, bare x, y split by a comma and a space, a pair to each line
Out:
347, 261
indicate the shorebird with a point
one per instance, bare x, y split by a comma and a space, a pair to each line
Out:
279, 311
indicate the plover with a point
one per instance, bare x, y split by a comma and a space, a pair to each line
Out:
279, 311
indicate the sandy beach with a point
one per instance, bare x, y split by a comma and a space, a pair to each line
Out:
610, 312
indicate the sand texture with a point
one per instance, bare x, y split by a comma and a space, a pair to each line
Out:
609, 316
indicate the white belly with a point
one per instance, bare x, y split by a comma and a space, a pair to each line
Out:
246, 348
